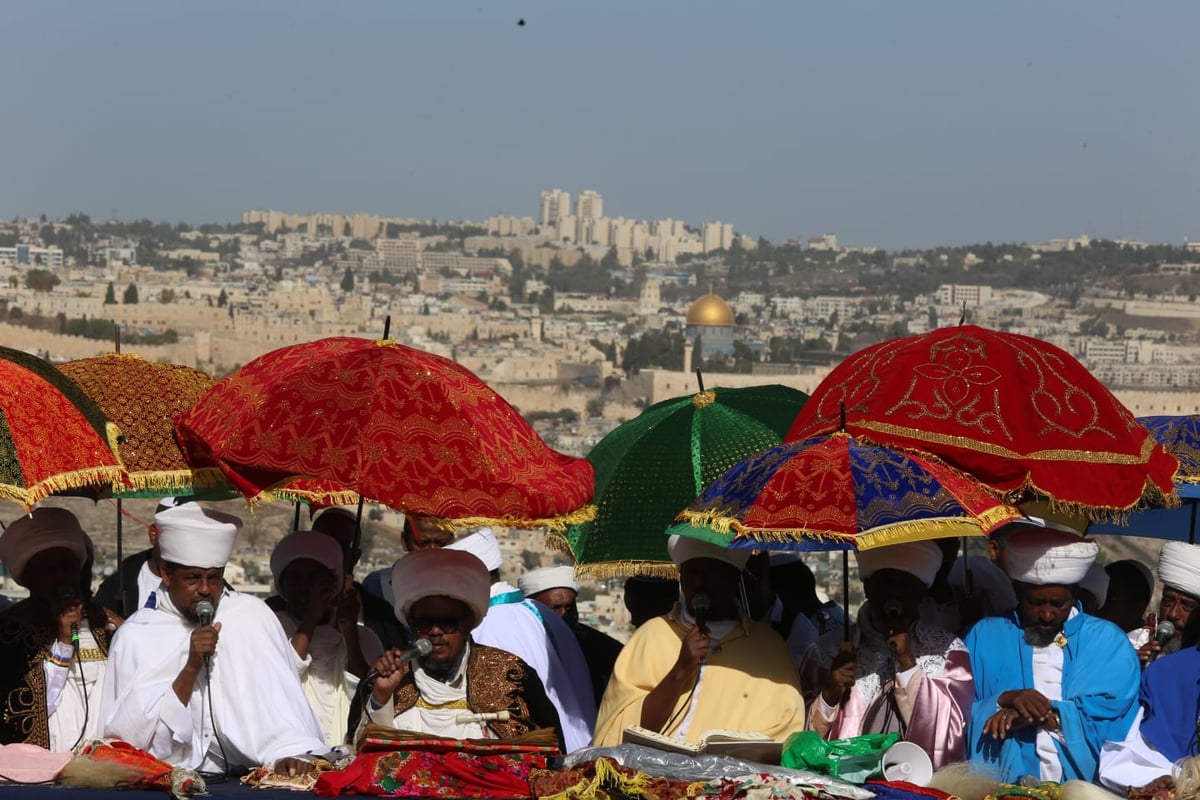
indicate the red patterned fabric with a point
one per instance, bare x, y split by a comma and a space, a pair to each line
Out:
143, 398
147, 771
429, 773
1017, 413
400, 426
52, 437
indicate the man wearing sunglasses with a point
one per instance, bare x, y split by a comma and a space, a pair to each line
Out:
459, 689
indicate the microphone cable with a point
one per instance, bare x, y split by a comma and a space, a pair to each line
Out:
82, 685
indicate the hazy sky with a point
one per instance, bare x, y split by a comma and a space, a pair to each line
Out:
889, 123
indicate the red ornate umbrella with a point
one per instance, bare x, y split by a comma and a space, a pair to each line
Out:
1021, 415
397, 425
52, 437
143, 398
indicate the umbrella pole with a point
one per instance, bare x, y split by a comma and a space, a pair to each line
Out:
968, 578
120, 559
1192, 526
296, 517
358, 525
846, 596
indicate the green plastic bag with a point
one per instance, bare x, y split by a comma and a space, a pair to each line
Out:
852, 760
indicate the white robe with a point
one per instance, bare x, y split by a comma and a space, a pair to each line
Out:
260, 710
1134, 762
323, 676
546, 643
72, 701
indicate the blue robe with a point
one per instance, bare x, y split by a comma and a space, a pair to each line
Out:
1099, 688
1171, 699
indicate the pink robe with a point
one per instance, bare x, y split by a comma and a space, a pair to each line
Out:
934, 705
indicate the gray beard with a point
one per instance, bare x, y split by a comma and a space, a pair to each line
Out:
1037, 637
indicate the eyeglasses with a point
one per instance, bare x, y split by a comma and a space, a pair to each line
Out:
448, 623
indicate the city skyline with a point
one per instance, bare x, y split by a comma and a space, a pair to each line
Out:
894, 126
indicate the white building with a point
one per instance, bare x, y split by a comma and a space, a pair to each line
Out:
556, 206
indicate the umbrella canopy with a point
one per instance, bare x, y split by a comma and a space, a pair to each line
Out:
652, 466
1181, 436
394, 424
52, 437
833, 492
143, 398
1018, 413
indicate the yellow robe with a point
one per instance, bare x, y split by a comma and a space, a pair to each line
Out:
750, 683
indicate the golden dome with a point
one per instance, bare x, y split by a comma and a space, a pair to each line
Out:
710, 310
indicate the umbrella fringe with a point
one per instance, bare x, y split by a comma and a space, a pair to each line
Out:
1152, 497
558, 524
719, 521
176, 479
607, 570
557, 541
67, 481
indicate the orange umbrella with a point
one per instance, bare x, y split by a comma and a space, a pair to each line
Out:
394, 424
143, 398
1019, 414
52, 437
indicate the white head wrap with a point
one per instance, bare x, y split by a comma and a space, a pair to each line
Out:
440, 573
319, 547
42, 529
684, 548
192, 536
920, 559
537, 581
1046, 555
481, 544
1179, 567
988, 582
1096, 582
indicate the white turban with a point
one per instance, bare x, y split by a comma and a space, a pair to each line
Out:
1179, 567
440, 573
920, 559
1048, 556
537, 581
684, 548
191, 536
481, 544
318, 547
42, 529
988, 583
1096, 582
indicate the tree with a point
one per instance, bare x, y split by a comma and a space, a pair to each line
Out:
222, 299
594, 407
610, 260
131, 294
41, 280
348, 281
166, 295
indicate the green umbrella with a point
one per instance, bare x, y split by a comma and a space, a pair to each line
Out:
650, 468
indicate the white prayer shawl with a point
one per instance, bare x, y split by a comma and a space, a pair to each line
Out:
440, 704
1134, 762
327, 685
542, 640
68, 712
260, 709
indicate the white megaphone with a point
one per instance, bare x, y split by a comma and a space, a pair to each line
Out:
905, 761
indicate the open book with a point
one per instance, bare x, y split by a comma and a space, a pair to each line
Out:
746, 745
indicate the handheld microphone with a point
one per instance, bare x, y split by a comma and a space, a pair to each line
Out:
1164, 631
701, 604
205, 611
66, 595
420, 648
